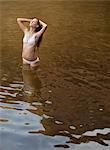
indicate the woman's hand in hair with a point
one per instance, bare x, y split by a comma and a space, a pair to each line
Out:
42, 23
43, 29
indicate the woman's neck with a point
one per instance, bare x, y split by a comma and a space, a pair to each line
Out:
32, 30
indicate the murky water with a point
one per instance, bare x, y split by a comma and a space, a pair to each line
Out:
66, 102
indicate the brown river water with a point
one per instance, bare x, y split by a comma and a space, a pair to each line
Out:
65, 104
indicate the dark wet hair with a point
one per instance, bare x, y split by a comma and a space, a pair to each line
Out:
38, 29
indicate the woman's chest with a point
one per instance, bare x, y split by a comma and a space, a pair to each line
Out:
30, 39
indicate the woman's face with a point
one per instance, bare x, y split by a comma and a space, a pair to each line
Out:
33, 23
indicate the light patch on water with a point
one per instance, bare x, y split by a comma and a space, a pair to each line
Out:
9, 88
37, 103
94, 132
8, 94
48, 102
19, 105
46, 116
91, 146
17, 121
72, 127
2, 96
67, 132
16, 85
58, 122
76, 136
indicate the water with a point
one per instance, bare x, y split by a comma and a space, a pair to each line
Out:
66, 102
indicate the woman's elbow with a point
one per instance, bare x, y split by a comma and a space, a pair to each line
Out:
18, 19
45, 25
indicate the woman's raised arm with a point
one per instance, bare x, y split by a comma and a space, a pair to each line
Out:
21, 25
24, 19
44, 27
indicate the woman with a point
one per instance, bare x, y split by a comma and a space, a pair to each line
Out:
32, 39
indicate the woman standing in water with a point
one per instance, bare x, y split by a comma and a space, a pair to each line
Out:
31, 40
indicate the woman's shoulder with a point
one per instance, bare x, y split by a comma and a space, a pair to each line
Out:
26, 31
36, 35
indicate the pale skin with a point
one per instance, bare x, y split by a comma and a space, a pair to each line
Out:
30, 52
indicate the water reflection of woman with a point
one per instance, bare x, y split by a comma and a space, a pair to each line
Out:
32, 83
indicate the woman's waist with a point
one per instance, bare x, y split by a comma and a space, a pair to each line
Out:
28, 48
29, 53
29, 56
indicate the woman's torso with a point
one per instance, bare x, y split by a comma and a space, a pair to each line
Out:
29, 46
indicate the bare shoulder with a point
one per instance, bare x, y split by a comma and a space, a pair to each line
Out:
36, 35
26, 31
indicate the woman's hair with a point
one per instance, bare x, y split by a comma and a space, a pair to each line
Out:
38, 29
